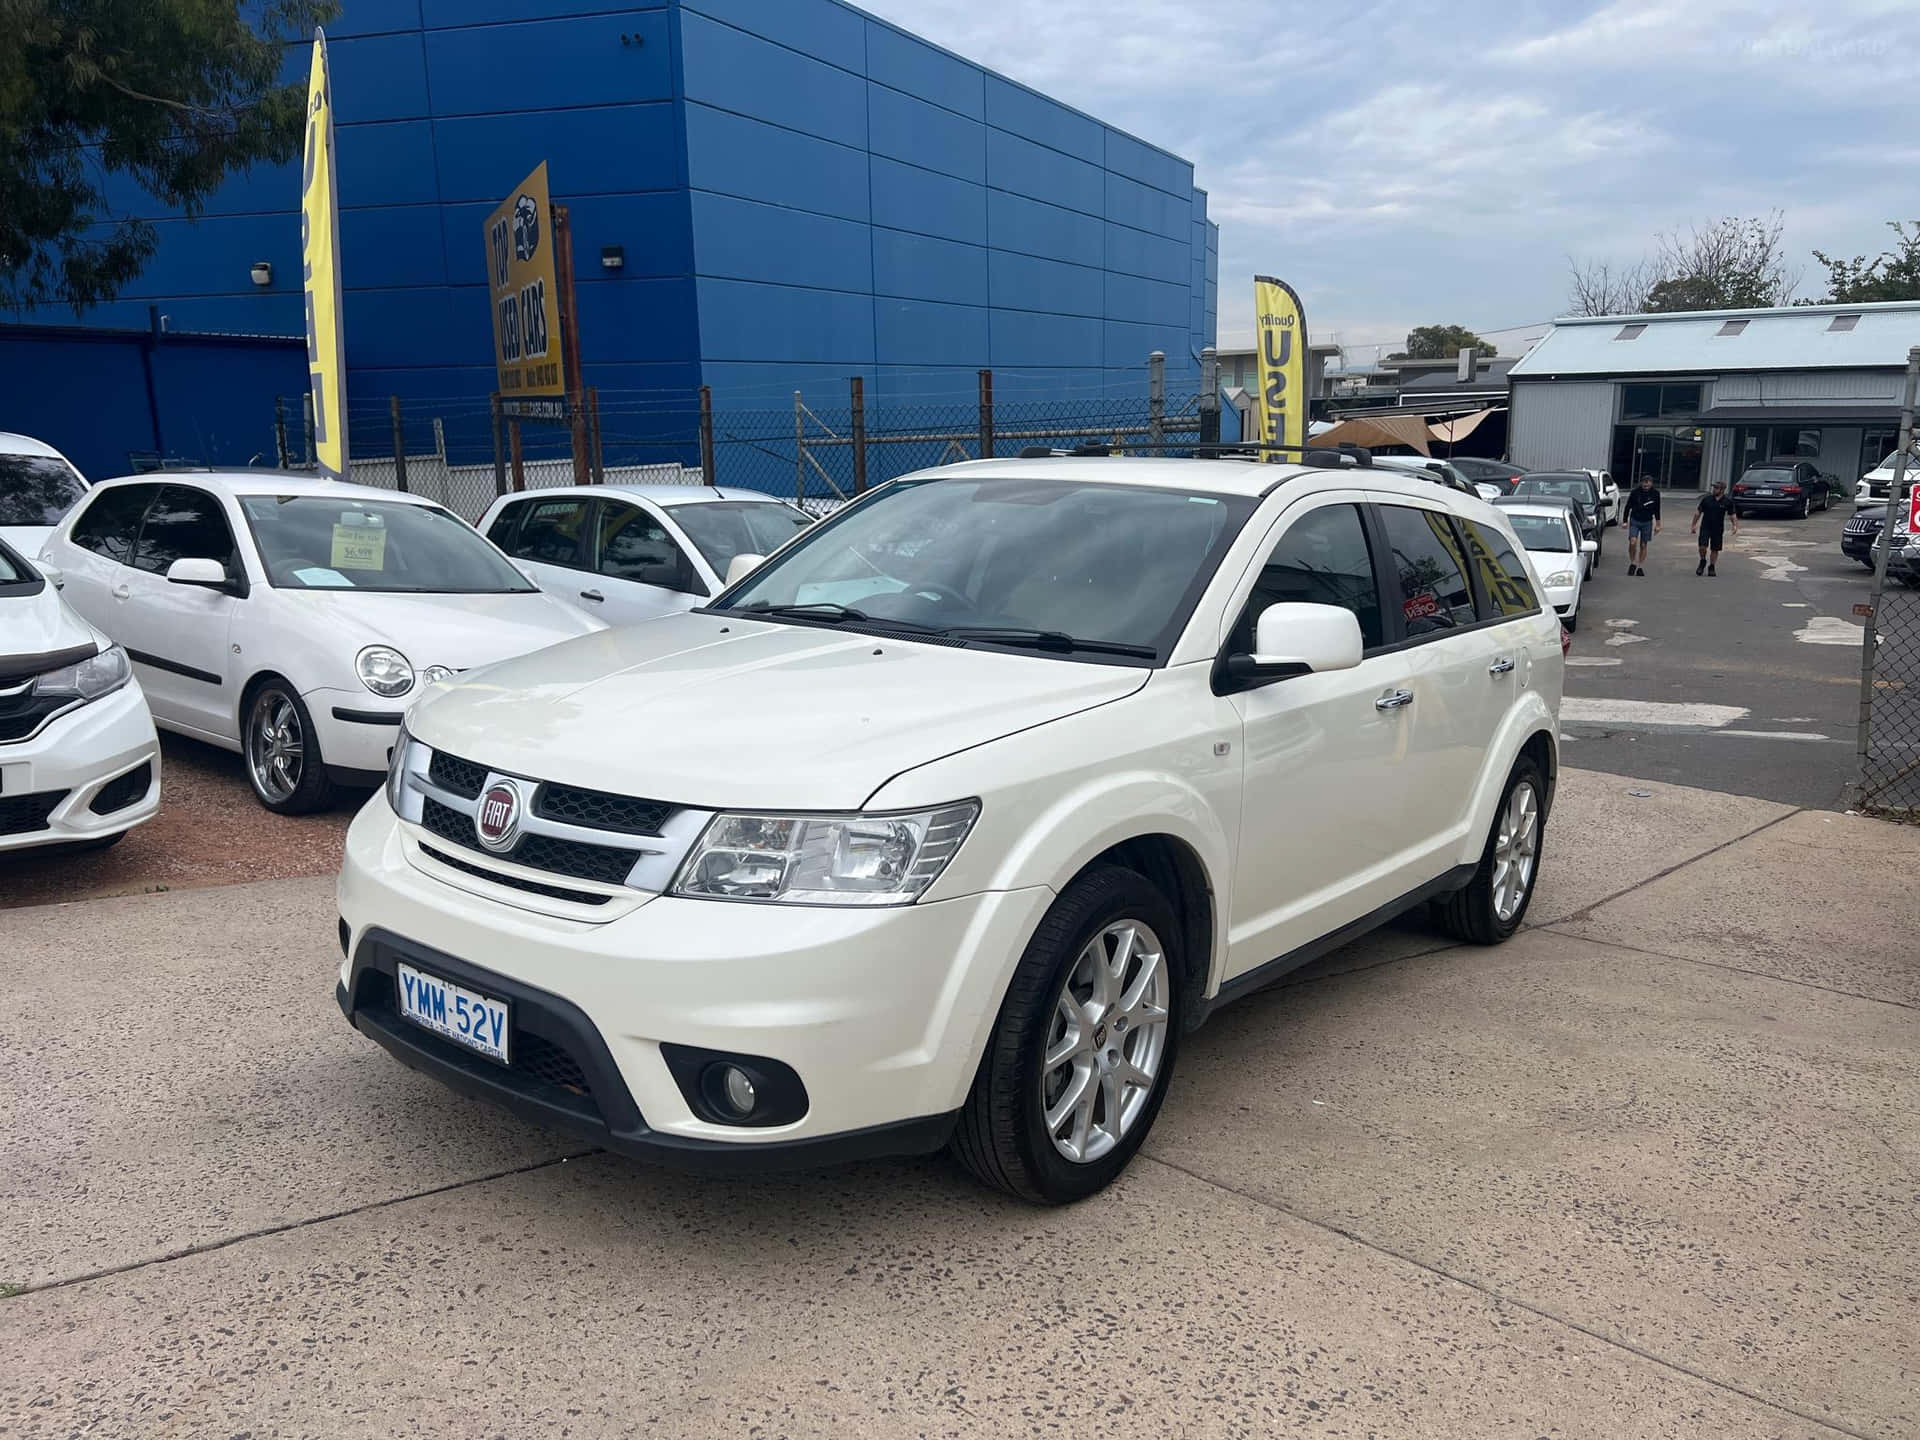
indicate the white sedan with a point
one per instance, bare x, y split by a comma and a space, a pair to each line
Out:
294, 619
1560, 557
79, 762
627, 553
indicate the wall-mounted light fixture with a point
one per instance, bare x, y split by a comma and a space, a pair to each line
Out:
613, 257
263, 272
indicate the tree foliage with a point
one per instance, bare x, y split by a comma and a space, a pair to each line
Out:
1442, 342
1891, 275
1731, 264
174, 94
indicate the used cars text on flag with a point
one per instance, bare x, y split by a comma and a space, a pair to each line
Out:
1280, 335
320, 271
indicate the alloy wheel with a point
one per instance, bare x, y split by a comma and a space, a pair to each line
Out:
1515, 849
276, 746
1106, 1039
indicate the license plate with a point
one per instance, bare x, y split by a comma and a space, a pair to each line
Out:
463, 1017
1766, 492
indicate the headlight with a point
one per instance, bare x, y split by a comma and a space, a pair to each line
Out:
1559, 577
384, 671
825, 859
93, 677
397, 768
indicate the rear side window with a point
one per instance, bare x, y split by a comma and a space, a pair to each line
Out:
501, 531
37, 489
635, 546
111, 523
1430, 570
1503, 574
184, 524
554, 532
1323, 559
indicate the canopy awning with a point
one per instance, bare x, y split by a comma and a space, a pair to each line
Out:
1457, 429
1378, 430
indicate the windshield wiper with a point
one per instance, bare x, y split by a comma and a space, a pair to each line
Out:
1055, 640
833, 613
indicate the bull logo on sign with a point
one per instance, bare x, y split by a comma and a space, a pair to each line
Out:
526, 228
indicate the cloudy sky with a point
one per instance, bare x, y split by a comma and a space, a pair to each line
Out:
1437, 161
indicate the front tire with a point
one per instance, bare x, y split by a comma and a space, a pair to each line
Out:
282, 752
1083, 1050
1492, 905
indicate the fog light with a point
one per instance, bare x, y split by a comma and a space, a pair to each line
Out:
736, 1089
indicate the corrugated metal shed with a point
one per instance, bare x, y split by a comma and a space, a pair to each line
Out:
1794, 337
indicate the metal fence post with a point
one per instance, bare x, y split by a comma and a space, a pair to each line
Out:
306, 429
1157, 397
499, 448
280, 429
1870, 643
986, 414
593, 422
1209, 396
858, 387
706, 435
399, 445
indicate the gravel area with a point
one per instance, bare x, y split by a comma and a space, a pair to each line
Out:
210, 831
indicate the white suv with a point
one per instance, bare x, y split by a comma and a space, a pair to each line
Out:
945, 823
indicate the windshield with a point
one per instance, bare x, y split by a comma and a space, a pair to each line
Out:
323, 542
1542, 532
722, 529
36, 489
1574, 487
1021, 556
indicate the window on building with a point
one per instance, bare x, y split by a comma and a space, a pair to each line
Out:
1732, 327
1844, 322
1658, 402
1631, 332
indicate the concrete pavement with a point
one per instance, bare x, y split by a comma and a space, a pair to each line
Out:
1647, 1170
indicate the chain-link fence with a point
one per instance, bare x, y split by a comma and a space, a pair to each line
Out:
819, 449
1889, 783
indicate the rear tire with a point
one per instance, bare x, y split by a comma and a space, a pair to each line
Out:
1101, 1033
1491, 906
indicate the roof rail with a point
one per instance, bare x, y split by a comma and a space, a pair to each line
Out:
1322, 456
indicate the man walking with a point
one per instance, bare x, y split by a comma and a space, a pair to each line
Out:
1643, 523
1710, 520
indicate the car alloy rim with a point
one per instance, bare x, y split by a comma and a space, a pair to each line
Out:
1106, 1040
1515, 848
276, 746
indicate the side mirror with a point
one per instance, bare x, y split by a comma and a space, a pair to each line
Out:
743, 565
52, 574
1294, 639
1589, 547
207, 574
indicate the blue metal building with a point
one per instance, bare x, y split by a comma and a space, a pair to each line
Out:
800, 193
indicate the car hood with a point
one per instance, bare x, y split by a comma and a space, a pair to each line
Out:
1548, 561
40, 624
721, 712
26, 539
458, 631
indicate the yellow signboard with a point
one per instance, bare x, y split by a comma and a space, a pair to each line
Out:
1280, 333
526, 299
320, 271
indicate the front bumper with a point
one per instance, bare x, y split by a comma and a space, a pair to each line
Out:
1858, 546
881, 1013
1565, 599
356, 730
61, 772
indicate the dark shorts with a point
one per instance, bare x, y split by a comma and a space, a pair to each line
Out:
1711, 536
1640, 529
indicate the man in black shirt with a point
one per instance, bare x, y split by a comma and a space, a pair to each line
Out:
1710, 519
1643, 523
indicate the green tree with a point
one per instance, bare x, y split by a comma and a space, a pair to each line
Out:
1891, 275
1442, 342
1731, 264
175, 94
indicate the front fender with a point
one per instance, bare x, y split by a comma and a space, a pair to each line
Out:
1529, 715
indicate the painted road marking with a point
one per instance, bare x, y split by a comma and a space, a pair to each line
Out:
1625, 637
1826, 630
1593, 710
1593, 660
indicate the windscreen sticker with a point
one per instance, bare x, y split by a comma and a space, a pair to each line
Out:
359, 546
1419, 607
319, 577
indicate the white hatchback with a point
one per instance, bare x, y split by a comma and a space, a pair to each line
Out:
1551, 538
79, 762
295, 619
946, 823
630, 552
38, 485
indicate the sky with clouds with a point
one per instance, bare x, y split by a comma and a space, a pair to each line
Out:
1424, 162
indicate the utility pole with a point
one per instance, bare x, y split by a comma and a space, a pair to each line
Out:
570, 345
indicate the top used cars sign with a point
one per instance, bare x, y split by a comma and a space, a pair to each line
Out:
526, 305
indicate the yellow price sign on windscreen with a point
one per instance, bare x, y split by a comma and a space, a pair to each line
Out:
359, 547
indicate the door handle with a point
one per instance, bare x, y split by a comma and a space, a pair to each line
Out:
1502, 666
121, 592
1394, 700
593, 595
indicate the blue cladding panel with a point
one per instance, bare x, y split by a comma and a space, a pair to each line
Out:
390, 165
382, 77
819, 28
1022, 340
1042, 174
1019, 110
551, 64
390, 247
925, 135
373, 17
588, 152
1127, 346
767, 386
1033, 228
919, 332
922, 267
651, 228
634, 321
919, 69
1150, 302
743, 73
905, 198
86, 398
759, 323
1135, 252
737, 156
1145, 208
1026, 282
742, 240
451, 14
1129, 157
214, 257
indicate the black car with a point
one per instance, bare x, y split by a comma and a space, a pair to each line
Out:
1499, 472
1781, 487
1856, 541
1574, 485
1582, 518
